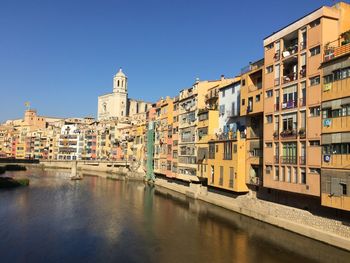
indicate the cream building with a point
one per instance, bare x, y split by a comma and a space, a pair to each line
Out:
116, 105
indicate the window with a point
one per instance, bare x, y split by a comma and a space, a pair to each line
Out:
268, 169
212, 173
315, 170
343, 187
315, 23
243, 82
221, 179
295, 175
269, 118
175, 154
341, 74
231, 177
228, 151
222, 109
169, 149
268, 145
257, 98
233, 89
315, 51
303, 176
269, 69
314, 111
328, 79
315, 81
243, 102
269, 46
314, 143
234, 148
277, 173
269, 93
223, 93
203, 117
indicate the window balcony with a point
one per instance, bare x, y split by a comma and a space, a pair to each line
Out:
213, 94
277, 159
302, 102
289, 78
276, 135
302, 160
288, 159
290, 50
302, 45
288, 134
290, 104
337, 48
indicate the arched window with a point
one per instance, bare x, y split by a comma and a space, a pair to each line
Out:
122, 83
118, 84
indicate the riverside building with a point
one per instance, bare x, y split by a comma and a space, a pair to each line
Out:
335, 125
292, 115
227, 150
252, 109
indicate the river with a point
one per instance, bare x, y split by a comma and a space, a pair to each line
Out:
103, 220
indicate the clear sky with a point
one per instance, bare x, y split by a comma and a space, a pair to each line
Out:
60, 55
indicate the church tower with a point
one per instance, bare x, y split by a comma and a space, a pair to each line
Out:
120, 82
120, 89
114, 105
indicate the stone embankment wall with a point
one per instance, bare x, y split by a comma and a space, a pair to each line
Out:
330, 231
113, 168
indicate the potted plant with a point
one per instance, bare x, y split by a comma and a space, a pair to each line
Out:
302, 132
346, 37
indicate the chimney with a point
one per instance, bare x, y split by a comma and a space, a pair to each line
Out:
222, 77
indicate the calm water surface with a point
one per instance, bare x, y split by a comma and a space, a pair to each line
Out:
100, 220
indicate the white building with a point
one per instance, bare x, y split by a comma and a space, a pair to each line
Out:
70, 143
229, 108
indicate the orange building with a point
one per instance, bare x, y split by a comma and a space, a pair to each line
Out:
292, 86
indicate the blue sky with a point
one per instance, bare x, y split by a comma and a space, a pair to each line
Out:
60, 55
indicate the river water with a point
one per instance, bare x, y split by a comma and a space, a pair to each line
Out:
103, 220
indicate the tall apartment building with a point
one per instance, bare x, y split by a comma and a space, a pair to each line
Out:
252, 109
175, 137
292, 78
335, 170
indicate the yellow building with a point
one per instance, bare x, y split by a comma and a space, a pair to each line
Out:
208, 123
163, 137
226, 163
335, 169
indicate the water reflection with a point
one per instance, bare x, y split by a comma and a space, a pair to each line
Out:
101, 220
